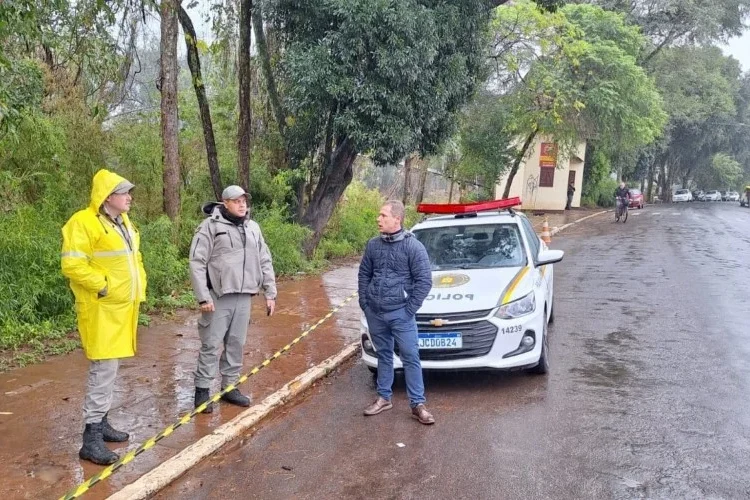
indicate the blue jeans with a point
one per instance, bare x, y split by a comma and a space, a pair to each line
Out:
398, 326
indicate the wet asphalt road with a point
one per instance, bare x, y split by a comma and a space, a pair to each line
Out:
647, 396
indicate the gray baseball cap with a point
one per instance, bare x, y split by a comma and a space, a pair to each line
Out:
123, 187
233, 192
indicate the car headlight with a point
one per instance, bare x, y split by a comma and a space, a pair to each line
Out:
521, 307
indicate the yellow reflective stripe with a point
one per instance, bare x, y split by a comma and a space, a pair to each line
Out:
513, 284
112, 253
73, 254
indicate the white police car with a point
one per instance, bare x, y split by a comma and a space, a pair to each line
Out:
492, 291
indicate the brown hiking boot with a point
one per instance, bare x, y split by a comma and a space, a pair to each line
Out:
380, 405
420, 413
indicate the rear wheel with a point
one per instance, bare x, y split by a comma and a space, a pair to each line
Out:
624, 216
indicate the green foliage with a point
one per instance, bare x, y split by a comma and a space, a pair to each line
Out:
392, 73
727, 171
670, 22
568, 77
31, 284
598, 187
486, 142
353, 223
585, 81
701, 88
21, 86
166, 269
284, 239
600, 194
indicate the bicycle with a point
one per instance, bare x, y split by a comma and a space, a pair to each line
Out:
621, 212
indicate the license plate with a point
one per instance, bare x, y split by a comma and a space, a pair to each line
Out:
447, 340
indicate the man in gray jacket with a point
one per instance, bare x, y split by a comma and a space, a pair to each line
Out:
229, 263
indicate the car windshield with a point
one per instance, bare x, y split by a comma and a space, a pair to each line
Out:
635, 192
682, 191
473, 247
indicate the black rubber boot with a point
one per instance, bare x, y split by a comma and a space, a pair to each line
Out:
235, 397
111, 435
93, 448
201, 396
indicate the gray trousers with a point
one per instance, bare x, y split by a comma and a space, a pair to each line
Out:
99, 389
225, 327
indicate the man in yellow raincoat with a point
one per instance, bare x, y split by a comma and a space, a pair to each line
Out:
101, 257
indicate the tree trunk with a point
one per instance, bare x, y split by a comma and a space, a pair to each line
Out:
517, 163
244, 127
333, 181
663, 181
194, 63
265, 59
422, 183
169, 116
407, 178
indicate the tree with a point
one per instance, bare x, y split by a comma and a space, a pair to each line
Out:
699, 86
169, 115
726, 171
194, 63
244, 127
571, 76
384, 78
669, 23
486, 142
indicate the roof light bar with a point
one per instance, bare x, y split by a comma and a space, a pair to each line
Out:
466, 208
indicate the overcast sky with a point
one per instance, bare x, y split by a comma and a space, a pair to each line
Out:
739, 48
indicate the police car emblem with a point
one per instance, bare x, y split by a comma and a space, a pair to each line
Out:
449, 280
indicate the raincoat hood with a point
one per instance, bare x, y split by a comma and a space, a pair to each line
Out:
102, 186
212, 209
208, 207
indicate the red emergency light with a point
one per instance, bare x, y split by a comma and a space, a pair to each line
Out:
467, 208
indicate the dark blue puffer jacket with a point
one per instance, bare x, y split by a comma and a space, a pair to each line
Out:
394, 274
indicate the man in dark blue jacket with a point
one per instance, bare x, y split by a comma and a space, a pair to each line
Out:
394, 279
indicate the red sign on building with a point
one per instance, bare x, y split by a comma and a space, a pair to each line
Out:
548, 155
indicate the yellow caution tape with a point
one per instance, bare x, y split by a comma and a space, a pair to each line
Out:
150, 443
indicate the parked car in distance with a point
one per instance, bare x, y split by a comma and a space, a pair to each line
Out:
732, 196
713, 195
636, 199
682, 195
699, 195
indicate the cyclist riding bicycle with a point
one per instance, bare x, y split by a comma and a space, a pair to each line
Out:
622, 194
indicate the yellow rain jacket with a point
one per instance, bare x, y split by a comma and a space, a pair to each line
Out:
94, 256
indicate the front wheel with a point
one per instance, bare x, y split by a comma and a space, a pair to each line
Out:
543, 367
624, 216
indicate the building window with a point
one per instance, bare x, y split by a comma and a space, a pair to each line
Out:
547, 177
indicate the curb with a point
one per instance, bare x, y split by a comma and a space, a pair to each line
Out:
168, 471
558, 229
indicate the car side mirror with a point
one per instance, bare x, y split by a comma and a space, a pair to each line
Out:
549, 257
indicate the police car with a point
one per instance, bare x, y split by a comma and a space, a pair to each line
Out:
492, 291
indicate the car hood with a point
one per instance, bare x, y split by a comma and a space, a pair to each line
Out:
476, 289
